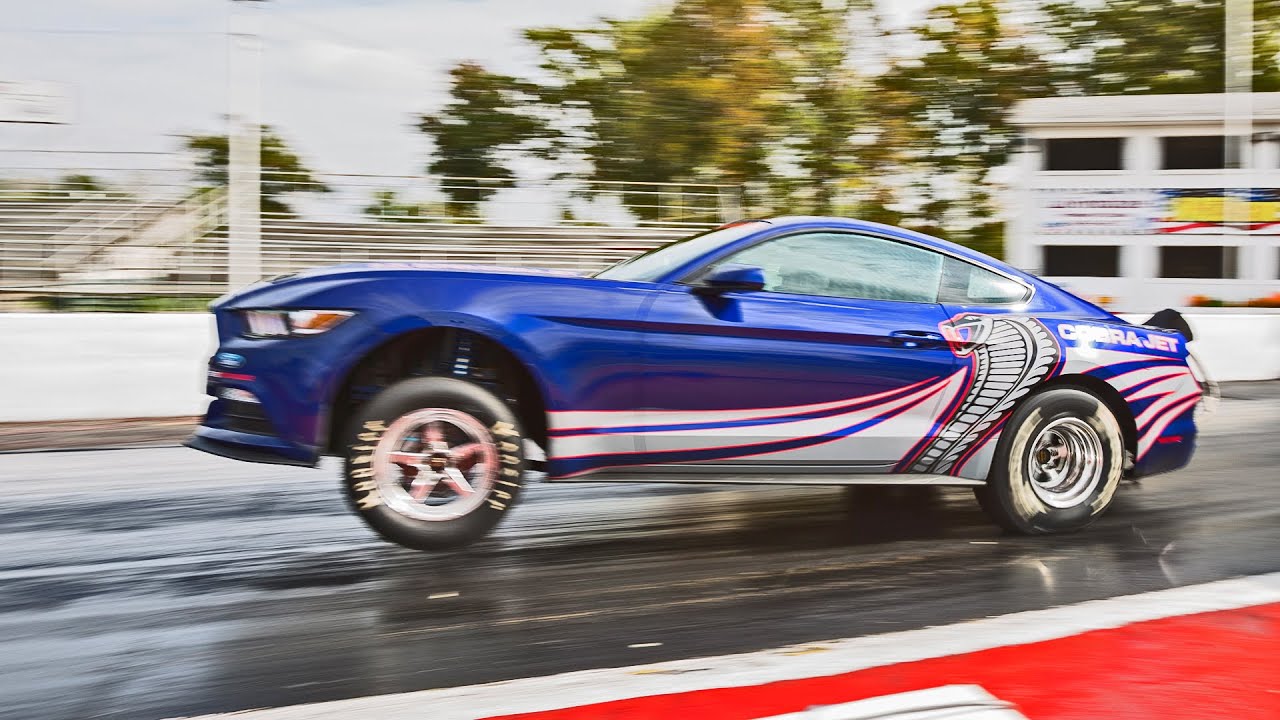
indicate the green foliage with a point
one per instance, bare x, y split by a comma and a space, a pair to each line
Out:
388, 207
486, 121
81, 183
1141, 47
943, 114
831, 101
709, 91
123, 303
282, 170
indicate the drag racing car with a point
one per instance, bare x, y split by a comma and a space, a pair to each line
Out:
799, 350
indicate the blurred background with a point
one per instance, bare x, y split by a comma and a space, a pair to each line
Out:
155, 155
1125, 149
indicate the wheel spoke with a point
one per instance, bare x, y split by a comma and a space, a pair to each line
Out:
464, 456
1065, 466
423, 485
400, 457
421, 477
434, 438
454, 478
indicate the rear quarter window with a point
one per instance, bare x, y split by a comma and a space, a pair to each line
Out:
964, 283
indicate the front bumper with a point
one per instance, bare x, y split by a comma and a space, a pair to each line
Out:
243, 446
270, 399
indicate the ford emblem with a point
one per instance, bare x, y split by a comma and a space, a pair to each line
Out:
228, 360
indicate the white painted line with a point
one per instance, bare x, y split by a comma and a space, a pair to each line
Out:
644, 645
949, 702
442, 595
788, 663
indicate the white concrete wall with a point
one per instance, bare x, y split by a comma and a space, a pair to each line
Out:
83, 366
1233, 343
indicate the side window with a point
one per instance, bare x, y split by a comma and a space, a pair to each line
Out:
967, 284
847, 266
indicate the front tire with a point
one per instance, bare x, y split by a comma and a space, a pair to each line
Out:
434, 463
1057, 465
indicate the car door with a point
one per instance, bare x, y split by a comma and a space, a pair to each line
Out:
836, 364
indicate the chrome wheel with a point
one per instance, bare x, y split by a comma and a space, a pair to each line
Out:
435, 464
1065, 462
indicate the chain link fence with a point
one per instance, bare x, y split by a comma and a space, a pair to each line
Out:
152, 238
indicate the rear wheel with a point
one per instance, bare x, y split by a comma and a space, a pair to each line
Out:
434, 463
1057, 464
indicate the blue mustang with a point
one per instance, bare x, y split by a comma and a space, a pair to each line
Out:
793, 350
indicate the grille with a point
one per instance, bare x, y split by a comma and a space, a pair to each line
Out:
246, 417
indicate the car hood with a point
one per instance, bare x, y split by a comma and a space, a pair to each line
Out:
280, 288
372, 269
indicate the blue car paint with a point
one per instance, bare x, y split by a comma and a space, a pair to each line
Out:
770, 350
605, 346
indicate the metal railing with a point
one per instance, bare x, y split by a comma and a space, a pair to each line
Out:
170, 237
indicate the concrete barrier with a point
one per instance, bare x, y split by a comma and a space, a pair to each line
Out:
85, 366
1233, 343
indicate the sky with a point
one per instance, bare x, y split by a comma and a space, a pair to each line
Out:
342, 80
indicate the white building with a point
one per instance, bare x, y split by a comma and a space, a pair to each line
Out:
1144, 201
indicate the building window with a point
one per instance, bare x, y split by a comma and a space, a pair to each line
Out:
1082, 260
1083, 154
1199, 261
1200, 152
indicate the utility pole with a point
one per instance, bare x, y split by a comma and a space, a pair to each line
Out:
1238, 77
244, 172
1237, 127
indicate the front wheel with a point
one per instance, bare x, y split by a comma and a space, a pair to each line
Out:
434, 463
1056, 466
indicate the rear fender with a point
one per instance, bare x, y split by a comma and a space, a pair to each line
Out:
1146, 366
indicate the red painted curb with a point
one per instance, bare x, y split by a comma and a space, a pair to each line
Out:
1222, 664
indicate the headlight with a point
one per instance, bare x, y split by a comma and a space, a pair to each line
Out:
284, 323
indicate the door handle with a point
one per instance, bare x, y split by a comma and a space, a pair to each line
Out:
915, 338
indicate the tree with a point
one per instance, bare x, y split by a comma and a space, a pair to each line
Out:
78, 183
282, 170
486, 121
943, 110
1138, 47
694, 94
830, 101
747, 92
389, 207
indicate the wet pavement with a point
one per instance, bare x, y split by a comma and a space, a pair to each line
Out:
151, 583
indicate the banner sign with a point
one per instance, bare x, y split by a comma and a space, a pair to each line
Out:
1218, 211
1095, 212
1183, 211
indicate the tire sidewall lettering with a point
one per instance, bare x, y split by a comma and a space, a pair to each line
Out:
360, 467
374, 420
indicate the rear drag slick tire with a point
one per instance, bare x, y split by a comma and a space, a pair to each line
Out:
1057, 465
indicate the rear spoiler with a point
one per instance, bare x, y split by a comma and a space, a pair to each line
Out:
1170, 319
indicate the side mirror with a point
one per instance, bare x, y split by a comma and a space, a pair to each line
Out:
731, 276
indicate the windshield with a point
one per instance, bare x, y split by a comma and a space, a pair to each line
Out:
653, 264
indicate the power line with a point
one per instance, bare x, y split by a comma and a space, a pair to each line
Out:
110, 31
